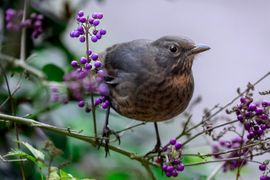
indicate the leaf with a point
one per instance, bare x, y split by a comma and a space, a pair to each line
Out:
18, 153
37, 154
53, 72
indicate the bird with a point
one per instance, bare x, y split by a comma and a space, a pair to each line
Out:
150, 80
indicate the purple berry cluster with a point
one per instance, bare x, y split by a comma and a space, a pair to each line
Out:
263, 167
14, 22
235, 143
254, 117
87, 26
88, 74
170, 159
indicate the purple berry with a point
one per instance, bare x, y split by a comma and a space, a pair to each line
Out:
82, 20
99, 16
98, 101
103, 89
40, 17
174, 174
80, 29
81, 104
264, 177
101, 73
72, 34
164, 167
91, 20
94, 15
240, 117
95, 32
89, 52
178, 146
105, 105
262, 167
102, 31
264, 116
263, 126
88, 66
96, 22
98, 64
252, 107
80, 13
94, 56
98, 35
173, 141
180, 167
265, 103
168, 174
259, 111
250, 135
76, 33
74, 63
94, 39
88, 109
82, 39
170, 169
83, 60
243, 100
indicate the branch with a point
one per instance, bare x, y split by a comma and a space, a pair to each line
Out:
227, 159
210, 129
22, 64
69, 133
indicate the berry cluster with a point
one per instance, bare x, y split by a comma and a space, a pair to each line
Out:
263, 168
88, 73
235, 143
14, 22
254, 117
88, 27
170, 159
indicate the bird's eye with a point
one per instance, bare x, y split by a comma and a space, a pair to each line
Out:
173, 48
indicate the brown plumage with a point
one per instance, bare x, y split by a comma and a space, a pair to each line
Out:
151, 80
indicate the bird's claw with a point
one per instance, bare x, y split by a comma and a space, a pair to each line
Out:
157, 149
105, 140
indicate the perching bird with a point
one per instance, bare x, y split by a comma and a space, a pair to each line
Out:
151, 81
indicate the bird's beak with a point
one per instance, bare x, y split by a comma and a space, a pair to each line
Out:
198, 49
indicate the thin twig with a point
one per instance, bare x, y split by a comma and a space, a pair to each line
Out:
210, 129
226, 159
13, 113
23, 33
228, 104
215, 171
131, 127
241, 94
91, 94
228, 151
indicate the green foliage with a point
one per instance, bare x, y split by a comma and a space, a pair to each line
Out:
53, 72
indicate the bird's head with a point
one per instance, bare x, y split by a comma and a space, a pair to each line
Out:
176, 54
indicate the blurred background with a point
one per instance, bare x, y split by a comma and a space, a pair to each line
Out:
236, 31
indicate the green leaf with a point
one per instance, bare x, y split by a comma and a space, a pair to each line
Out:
18, 153
37, 154
53, 72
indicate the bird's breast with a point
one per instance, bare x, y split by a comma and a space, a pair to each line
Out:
157, 98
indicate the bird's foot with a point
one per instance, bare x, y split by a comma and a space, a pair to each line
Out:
105, 140
157, 149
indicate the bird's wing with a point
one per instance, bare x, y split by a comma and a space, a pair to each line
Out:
126, 61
